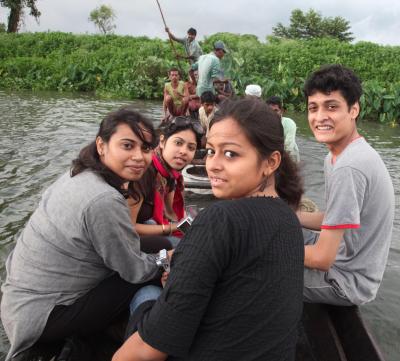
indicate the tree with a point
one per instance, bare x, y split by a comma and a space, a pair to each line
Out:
312, 25
103, 17
16, 12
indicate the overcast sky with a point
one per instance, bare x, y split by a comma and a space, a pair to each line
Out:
371, 20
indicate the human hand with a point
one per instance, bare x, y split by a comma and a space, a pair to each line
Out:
164, 278
170, 253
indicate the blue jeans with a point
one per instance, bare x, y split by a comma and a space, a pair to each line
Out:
146, 293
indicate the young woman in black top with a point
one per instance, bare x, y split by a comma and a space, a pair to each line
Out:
236, 281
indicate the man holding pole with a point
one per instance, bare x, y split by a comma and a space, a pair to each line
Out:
192, 47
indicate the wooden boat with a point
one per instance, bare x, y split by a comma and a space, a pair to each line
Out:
326, 333
195, 179
335, 333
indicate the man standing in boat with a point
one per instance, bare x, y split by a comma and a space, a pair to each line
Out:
209, 68
344, 263
192, 47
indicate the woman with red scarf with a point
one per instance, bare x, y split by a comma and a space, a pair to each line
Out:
162, 206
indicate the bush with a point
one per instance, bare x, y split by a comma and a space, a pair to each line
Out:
136, 67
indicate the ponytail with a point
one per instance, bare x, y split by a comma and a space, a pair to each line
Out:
288, 183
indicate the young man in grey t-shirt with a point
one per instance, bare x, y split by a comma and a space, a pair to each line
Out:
344, 263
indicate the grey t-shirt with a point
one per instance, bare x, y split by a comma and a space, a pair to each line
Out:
192, 48
80, 234
360, 199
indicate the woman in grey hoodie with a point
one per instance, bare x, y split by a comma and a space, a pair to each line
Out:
77, 263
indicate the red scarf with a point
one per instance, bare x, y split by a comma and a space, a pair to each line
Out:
160, 191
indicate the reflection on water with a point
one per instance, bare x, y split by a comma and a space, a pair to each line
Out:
41, 134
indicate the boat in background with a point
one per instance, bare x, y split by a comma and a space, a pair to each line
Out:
196, 180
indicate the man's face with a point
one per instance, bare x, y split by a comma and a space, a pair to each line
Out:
191, 37
276, 108
174, 76
331, 120
208, 107
219, 53
219, 86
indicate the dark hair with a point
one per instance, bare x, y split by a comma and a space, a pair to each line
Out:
274, 100
334, 77
263, 128
89, 158
173, 127
207, 97
192, 31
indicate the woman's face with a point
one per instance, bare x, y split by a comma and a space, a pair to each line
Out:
126, 154
233, 164
178, 150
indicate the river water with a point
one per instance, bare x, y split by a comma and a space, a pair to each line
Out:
42, 133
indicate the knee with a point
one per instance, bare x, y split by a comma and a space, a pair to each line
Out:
146, 293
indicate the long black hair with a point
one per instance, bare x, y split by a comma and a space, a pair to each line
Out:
89, 158
263, 128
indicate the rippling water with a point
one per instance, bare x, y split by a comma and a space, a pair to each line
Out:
41, 134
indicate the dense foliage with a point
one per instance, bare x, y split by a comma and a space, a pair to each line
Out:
311, 25
136, 67
103, 17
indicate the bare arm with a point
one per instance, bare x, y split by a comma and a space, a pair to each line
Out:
148, 229
322, 254
135, 349
155, 229
311, 220
164, 103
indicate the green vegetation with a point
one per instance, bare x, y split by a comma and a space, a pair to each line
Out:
136, 67
103, 17
311, 25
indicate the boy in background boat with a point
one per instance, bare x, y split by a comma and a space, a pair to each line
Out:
289, 127
207, 109
344, 263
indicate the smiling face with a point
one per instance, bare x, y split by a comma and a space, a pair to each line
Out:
332, 121
233, 165
125, 153
178, 150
